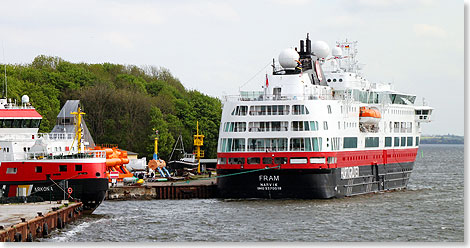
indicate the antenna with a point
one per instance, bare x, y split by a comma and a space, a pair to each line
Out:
4, 82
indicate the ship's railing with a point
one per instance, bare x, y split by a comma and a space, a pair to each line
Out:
29, 136
52, 155
260, 96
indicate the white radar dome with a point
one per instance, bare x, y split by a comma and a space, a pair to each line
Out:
25, 99
337, 52
321, 49
288, 57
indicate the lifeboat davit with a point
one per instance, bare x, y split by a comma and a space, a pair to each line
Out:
369, 115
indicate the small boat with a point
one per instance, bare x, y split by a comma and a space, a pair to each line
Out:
369, 115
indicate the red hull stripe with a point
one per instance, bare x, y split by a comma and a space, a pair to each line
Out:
320, 160
27, 171
19, 113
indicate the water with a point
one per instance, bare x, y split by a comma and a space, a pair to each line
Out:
431, 209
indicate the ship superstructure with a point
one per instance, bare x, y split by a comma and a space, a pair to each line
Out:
52, 165
318, 129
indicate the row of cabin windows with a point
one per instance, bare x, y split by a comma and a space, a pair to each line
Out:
270, 144
307, 144
20, 123
38, 169
351, 142
401, 127
276, 160
273, 126
270, 110
401, 112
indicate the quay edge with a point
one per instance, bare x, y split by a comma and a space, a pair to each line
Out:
42, 225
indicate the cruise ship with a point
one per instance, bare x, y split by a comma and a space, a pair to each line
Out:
318, 129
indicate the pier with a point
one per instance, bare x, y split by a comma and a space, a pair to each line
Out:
25, 222
165, 190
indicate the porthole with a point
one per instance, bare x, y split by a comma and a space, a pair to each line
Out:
334, 79
341, 80
329, 80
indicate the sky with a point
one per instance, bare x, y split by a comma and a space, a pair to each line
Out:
216, 47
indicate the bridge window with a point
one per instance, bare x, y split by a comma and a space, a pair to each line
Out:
417, 141
388, 141
403, 141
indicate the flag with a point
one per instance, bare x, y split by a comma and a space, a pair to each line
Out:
267, 82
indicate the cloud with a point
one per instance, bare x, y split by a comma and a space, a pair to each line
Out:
426, 30
293, 2
385, 5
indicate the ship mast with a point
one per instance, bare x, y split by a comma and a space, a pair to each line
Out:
78, 127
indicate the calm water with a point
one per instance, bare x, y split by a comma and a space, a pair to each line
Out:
431, 209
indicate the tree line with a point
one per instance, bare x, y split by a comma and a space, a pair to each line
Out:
124, 104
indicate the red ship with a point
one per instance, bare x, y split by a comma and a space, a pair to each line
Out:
54, 166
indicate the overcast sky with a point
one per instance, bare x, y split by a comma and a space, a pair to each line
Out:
217, 46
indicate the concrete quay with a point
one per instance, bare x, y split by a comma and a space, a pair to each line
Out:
21, 222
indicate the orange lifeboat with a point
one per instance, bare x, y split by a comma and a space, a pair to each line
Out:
369, 115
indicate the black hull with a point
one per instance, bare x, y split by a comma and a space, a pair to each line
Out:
91, 192
312, 183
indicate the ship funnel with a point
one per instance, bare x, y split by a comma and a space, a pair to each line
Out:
302, 46
308, 45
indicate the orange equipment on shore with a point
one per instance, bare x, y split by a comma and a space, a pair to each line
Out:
115, 160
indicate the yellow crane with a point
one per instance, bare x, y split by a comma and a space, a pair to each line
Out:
78, 127
198, 142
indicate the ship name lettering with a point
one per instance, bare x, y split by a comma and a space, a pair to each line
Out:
268, 178
349, 172
43, 189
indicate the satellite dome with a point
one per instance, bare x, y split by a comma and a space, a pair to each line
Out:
25, 99
288, 57
321, 49
337, 52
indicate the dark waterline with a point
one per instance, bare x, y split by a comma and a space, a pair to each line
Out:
431, 209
